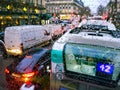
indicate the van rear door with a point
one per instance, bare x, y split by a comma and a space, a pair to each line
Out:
12, 40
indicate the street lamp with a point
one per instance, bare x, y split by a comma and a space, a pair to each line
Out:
25, 9
8, 7
36, 11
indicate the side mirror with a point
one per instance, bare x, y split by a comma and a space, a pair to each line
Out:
41, 67
46, 32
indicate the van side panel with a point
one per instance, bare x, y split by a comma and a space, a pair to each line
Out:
18, 38
28, 38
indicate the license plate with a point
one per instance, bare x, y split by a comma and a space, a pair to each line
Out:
16, 75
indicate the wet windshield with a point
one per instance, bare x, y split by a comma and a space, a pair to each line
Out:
89, 59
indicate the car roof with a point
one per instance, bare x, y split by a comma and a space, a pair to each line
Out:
110, 26
29, 61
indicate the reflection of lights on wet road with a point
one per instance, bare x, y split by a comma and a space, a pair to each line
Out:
26, 79
75, 67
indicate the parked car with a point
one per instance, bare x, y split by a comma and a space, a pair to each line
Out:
35, 63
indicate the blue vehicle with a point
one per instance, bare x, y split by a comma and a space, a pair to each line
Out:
33, 64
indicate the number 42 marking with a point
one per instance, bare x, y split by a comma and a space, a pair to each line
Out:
105, 68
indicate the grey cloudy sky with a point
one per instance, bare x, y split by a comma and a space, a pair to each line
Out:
93, 4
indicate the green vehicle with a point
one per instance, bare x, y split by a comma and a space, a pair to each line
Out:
86, 58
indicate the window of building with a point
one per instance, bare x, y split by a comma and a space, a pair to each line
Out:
74, 8
66, 6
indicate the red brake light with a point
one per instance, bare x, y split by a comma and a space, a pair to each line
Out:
28, 83
28, 56
7, 71
28, 74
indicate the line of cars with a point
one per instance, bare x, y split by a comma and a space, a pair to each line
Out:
18, 39
37, 63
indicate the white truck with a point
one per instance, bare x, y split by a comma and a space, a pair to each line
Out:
20, 38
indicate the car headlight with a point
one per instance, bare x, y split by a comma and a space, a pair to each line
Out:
59, 75
18, 51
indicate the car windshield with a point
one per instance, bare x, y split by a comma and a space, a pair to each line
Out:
94, 27
109, 25
91, 28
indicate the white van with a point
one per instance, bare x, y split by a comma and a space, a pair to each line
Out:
19, 38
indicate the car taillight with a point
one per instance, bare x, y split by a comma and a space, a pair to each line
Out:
28, 83
7, 71
28, 74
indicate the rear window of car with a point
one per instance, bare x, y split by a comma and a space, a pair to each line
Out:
89, 28
28, 62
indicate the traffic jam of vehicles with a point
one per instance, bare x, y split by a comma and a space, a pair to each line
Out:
65, 56
30, 47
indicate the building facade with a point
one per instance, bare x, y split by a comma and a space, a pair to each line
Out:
64, 7
20, 12
118, 5
114, 11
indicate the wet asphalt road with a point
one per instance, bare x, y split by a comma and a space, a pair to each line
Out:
3, 64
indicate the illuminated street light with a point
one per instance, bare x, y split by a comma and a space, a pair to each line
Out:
25, 9
1, 17
2, 23
8, 7
36, 10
